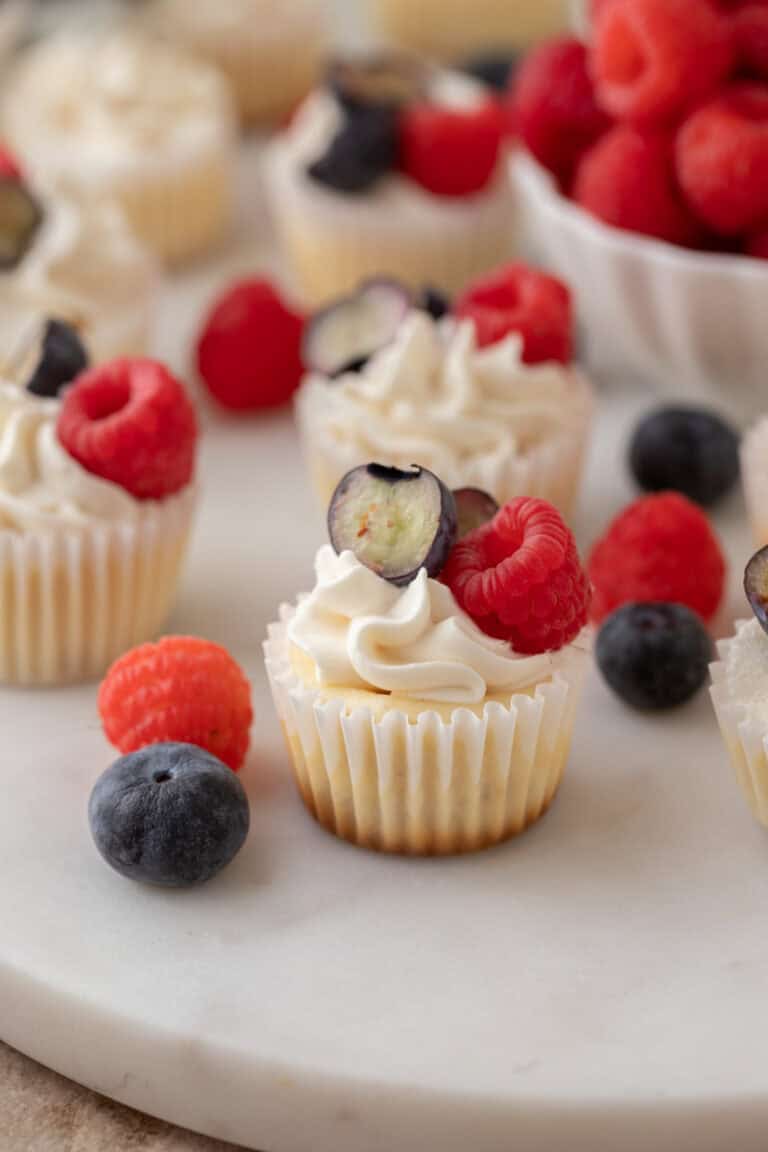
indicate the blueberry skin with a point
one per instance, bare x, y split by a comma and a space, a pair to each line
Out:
496, 69
688, 450
170, 814
63, 357
654, 656
434, 302
363, 150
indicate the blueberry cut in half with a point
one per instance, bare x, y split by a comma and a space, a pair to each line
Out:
756, 586
688, 450
474, 507
361, 152
343, 337
20, 218
170, 814
62, 358
395, 521
434, 302
654, 656
495, 69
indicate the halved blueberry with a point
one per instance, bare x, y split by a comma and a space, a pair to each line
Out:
385, 80
496, 69
20, 218
361, 152
343, 336
474, 507
435, 302
395, 521
62, 358
756, 586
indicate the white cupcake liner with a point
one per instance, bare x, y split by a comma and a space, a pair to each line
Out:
552, 470
333, 241
429, 785
689, 325
745, 739
74, 598
754, 478
455, 29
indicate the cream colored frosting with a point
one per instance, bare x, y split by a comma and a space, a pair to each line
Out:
83, 108
40, 483
746, 669
434, 397
363, 632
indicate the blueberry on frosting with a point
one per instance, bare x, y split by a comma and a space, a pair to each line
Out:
62, 357
342, 337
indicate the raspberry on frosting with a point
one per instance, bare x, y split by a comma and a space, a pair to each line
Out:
131, 422
180, 689
520, 578
519, 299
661, 548
654, 59
451, 151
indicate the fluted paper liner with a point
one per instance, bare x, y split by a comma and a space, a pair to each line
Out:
550, 470
73, 599
333, 241
745, 739
754, 478
429, 786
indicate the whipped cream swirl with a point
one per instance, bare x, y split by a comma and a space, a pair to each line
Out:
40, 483
433, 396
363, 632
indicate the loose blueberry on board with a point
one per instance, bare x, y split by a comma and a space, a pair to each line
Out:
394, 521
20, 218
170, 814
434, 302
655, 656
361, 152
756, 586
473, 508
342, 337
688, 450
62, 358
494, 69
382, 81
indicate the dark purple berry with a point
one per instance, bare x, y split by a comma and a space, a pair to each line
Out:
756, 586
170, 814
473, 509
362, 151
654, 656
343, 336
688, 450
495, 69
62, 358
20, 218
396, 522
435, 302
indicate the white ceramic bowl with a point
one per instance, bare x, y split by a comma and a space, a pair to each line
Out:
690, 326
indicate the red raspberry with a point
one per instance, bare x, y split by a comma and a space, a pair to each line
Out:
750, 31
659, 548
9, 165
654, 59
249, 351
520, 299
554, 108
722, 160
628, 180
131, 422
451, 151
181, 689
757, 245
520, 579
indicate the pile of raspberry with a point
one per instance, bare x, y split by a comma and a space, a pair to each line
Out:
658, 125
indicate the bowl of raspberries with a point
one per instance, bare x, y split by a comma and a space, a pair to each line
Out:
642, 178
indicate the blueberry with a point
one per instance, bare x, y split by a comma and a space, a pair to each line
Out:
20, 218
385, 80
495, 69
343, 336
435, 302
62, 358
473, 509
396, 522
688, 450
756, 586
171, 814
362, 151
654, 656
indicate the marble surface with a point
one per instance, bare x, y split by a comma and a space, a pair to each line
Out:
43, 1112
